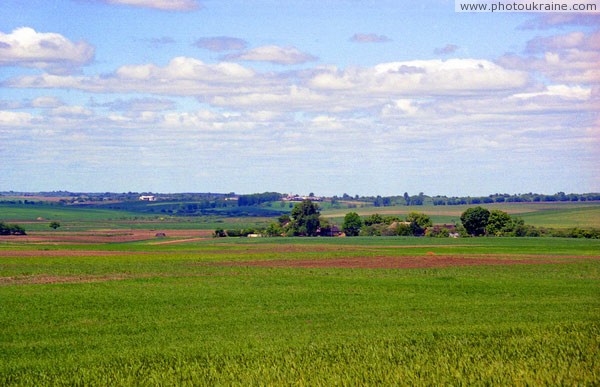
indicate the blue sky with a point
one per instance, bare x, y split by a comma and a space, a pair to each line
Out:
330, 97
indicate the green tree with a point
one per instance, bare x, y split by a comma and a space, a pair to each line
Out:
219, 233
373, 219
284, 219
54, 225
475, 220
273, 230
418, 222
352, 224
499, 223
11, 229
305, 218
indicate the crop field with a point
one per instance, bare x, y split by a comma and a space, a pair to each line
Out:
123, 307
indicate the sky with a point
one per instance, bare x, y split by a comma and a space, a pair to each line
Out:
368, 97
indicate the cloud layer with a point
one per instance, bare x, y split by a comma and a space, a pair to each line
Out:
383, 126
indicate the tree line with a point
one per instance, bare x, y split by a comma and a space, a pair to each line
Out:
305, 220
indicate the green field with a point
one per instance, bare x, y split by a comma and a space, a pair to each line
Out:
72, 218
551, 214
202, 313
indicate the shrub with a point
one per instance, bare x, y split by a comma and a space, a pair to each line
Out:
11, 229
437, 232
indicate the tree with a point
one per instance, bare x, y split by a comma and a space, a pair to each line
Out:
373, 219
11, 229
54, 225
305, 218
273, 230
219, 233
418, 222
352, 224
499, 223
284, 219
475, 220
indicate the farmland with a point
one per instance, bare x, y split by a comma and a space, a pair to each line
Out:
114, 304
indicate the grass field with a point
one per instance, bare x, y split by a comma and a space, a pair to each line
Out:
307, 311
38, 217
552, 214
71, 218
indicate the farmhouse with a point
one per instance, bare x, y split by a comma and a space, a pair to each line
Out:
149, 198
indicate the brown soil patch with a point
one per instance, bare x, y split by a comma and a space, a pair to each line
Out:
408, 262
103, 236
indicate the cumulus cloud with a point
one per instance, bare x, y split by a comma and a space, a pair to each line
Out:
273, 54
221, 43
164, 5
369, 38
576, 40
448, 49
50, 51
324, 88
567, 58
425, 77
182, 76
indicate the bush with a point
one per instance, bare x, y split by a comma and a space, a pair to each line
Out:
219, 233
11, 229
437, 232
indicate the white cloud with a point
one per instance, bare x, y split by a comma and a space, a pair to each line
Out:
71, 111
50, 51
400, 106
11, 119
165, 5
46, 102
427, 77
273, 54
560, 91
567, 58
182, 76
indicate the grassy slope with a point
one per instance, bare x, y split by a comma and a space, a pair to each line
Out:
180, 322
